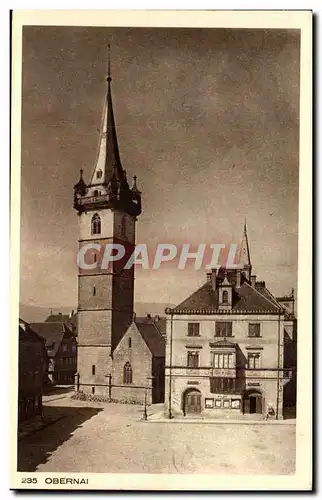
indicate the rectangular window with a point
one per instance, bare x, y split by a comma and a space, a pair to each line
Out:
193, 329
93, 369
254, 330
130, 342
193, 360
222, 385
93, 390
224, 328
222, 360
253, 361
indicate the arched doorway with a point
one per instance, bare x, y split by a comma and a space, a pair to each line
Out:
252, 402
191, 401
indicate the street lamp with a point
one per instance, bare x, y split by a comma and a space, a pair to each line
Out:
170, 369
145, 414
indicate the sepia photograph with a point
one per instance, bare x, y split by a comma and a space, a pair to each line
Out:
159, 170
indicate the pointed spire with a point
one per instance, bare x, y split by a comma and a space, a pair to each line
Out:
108, 159
134, 187
244, 254
109, 78
80, 187
225, 281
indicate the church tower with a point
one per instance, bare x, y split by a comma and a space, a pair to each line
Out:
107, 210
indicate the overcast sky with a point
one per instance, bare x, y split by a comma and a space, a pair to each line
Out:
206, 118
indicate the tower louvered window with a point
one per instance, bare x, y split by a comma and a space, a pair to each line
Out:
96, 224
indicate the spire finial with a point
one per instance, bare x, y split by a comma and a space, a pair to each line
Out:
81, 173
109, 78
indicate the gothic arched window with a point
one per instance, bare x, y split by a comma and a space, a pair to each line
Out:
225, 296
127, 373
96, 224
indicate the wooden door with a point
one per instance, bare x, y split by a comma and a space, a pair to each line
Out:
193, 402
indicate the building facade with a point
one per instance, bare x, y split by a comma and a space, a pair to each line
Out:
61, 347
138, 364
225, 347
107, 211
33, 366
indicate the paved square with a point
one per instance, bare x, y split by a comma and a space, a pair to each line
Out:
111, 438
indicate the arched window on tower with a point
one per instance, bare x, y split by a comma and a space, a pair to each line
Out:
225, 296
96, 224
127, 373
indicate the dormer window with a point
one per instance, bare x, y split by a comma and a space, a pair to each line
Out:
96, 224
99, 174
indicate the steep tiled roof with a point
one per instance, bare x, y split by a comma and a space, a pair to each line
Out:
27, 334
203, 298
53, 333
245, 299
159, 321
62, 318
161, 325
152, 337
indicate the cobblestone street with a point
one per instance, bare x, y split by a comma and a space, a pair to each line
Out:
112, 438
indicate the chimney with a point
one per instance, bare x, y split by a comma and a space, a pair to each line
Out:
156, 318
238, 280
59, 313
253, 280
209, 276
213, 279
148, 316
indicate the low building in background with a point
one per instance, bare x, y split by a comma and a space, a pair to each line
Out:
33, 367
61, 349
69, 319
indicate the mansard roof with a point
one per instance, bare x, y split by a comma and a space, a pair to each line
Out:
246, 299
